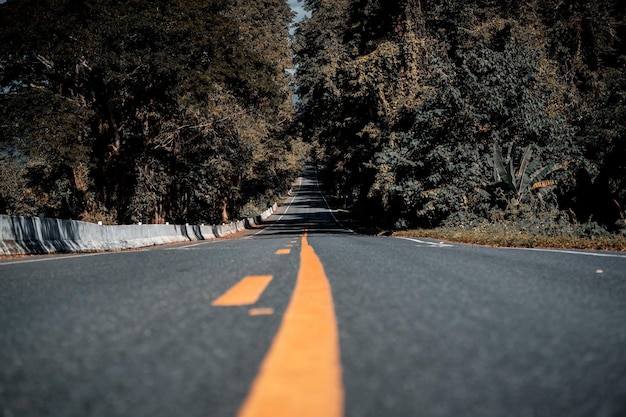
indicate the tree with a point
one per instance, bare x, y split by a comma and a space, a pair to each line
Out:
418, 94
159, 110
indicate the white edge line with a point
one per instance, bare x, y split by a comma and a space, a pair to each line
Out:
563, 251
571, 252
328, 206
286, 210
423, 242
191, 245
54, 258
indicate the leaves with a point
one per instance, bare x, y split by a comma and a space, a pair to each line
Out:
407, 98
520, 181
154, 110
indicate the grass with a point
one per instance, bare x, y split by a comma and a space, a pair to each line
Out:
494, 235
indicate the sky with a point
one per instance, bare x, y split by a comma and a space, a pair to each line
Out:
296, 6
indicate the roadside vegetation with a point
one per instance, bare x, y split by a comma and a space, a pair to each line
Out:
496, 122
475, 117
509, 235
151, 111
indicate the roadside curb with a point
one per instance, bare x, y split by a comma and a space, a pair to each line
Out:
36, 235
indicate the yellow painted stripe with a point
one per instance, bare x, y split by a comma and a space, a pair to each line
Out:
261, 311
301, 374
245, 292
283, 251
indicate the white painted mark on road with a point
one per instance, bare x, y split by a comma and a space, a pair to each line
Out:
428, 244
202, 243
330, 210
288, 206
573, 252
54, 258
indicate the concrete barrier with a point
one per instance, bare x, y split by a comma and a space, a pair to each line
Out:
34, 235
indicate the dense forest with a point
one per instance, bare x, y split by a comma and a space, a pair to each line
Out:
418, 113
445, 112
153, 111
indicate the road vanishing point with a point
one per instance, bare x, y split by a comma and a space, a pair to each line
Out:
303, 317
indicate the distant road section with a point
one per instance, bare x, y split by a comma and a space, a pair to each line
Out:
392, 327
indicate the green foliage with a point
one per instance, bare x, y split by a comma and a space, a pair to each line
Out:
15, 195
407, 98
50, 151
151, 111
520, 181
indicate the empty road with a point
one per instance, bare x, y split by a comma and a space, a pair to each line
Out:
302, 317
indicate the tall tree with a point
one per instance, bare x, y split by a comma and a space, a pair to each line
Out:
145, 110
421, 93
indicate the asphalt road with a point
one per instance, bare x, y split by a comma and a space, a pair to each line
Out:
385, 327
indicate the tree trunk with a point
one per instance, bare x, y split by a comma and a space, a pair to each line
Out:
224, 203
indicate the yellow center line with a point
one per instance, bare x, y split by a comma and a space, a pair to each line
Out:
285, 251
245, 292
301, 374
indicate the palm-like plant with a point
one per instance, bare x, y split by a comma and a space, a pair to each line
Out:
520, 182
